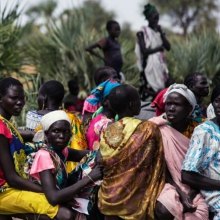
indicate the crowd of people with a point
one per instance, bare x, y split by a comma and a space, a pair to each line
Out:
95, 159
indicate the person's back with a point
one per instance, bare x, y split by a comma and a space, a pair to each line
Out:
49, 98
130, 148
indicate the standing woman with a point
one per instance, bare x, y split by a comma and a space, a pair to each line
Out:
15, 191
151, 42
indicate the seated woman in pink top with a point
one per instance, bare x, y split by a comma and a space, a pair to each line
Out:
48, 165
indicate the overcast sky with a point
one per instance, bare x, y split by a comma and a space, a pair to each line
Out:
126, 10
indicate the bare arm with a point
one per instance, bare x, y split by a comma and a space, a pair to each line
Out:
76, 155
199, 182
56, 196
187, 200
27, 135
91, 49
8, 167
146, 51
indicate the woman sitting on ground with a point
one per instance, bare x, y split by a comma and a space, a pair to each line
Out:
17, 194
177, 200
130, 148
48, 166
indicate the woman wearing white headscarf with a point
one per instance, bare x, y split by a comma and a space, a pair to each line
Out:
47, 167
177, 200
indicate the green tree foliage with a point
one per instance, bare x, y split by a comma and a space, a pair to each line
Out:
10, 54
43, 9
188, 14
195, 53
59, 51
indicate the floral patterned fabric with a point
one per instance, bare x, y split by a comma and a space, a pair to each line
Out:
203, 157
96, 126
17, 149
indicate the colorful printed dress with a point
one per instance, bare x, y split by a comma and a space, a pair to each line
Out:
48, 159
16, 148
203, 157
96, 126
15, 201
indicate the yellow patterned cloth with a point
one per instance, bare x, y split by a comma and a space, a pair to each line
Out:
14, 201
134, 169
78, 139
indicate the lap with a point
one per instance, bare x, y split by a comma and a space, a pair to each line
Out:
15, 201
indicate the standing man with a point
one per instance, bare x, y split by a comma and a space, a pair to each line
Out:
110, 47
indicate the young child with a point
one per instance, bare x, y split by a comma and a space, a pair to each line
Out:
48, 165
105, 79
71, 101
110, 47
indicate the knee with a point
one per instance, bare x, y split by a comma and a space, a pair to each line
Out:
64, 214
161, 212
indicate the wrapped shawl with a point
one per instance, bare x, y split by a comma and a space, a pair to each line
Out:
175, 148
133, 169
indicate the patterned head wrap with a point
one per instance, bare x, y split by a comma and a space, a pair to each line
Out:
149, 10
52, 117
93, 102
184, 91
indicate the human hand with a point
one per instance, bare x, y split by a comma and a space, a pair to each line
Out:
73, 204
187, 203
96, 173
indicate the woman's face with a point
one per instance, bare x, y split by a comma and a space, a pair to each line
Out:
216, 106
13, 101
153, 19
177, 108
58, 135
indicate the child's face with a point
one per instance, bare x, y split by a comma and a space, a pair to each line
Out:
115, 30
59, 134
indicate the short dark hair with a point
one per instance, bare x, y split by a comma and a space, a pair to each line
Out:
103, 73
110, 23
190, 79
121, 97
54, 90
5, 83
73, 86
